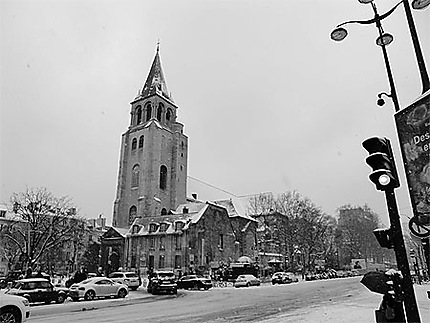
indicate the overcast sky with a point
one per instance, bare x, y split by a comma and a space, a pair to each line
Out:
269, 102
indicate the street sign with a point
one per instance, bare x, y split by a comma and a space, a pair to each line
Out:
417, 229
413, 128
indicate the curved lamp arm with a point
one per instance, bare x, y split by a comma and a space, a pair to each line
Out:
373, 20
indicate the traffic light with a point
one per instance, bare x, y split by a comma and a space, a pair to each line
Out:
381, 160
384, 237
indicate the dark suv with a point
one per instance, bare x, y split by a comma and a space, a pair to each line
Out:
38, 290
162, 282
194, 282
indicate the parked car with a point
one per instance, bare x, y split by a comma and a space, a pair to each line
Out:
194, 282
246, 281
37, 290
35, 274
284, 278
162, 281
11, 277
341, 273
293, 277
3, 282
131, 279
14, 308
95, 287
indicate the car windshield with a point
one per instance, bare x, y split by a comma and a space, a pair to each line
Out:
131, 275
166, 275
86, 281
115, 275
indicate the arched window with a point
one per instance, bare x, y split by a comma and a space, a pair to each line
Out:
160, 111
138, 114
141, 142
135, 176
132, 214
163, 211
163, 177
148, 111
134, 144
169, 114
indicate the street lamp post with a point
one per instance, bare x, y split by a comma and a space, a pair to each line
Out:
417, 4
385, 39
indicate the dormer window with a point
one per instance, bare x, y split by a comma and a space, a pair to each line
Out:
153, 227
163, 227
179, 225
135, 229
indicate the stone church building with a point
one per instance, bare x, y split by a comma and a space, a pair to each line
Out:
155, 225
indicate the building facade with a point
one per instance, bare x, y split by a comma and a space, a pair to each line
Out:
197, 237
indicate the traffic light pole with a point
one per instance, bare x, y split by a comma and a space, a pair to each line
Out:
410, 302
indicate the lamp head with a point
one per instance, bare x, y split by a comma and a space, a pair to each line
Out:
380, 102
384, 40
338, 34
365, 1
420, 4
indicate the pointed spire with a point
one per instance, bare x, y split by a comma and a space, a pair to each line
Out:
155, 82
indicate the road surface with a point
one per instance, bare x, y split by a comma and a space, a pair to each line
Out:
266, 303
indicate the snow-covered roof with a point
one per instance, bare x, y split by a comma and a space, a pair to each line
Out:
122, 231
234, 209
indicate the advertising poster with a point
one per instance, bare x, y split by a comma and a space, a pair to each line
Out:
413, 127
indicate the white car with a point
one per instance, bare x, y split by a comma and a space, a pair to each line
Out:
95, 287
14, 309
246, 281
129, 278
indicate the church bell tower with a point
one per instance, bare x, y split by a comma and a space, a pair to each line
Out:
152, 176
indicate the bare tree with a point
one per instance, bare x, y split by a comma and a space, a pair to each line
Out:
43, 222
355, 234
295, 224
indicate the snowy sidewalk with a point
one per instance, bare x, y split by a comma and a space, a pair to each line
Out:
360, 309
